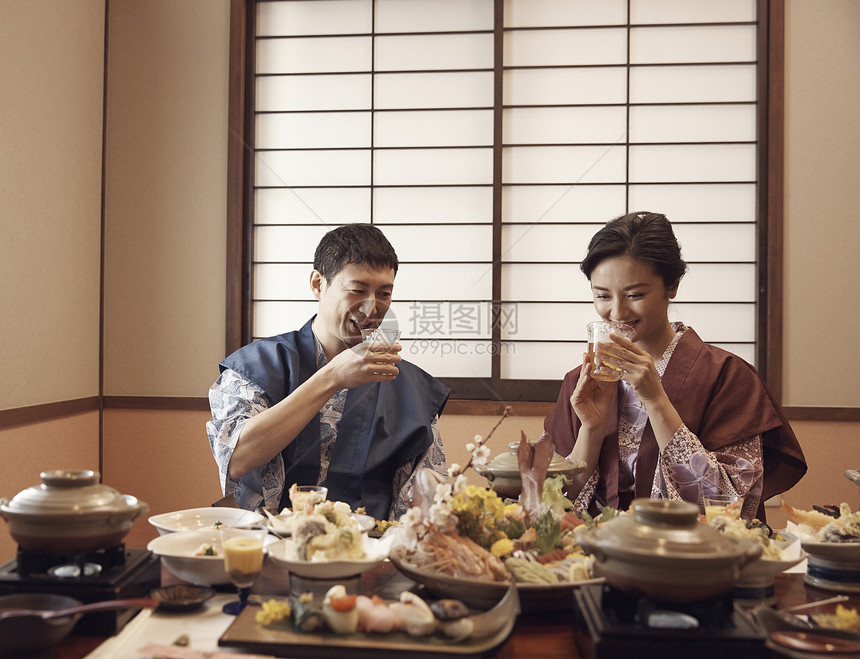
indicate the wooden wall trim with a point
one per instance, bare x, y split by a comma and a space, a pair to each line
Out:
775, 167
822, 413
167, 403
36, 413
22, 416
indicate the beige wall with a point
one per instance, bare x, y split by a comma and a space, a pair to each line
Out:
165, 196
822, 220
51, 64
165, 238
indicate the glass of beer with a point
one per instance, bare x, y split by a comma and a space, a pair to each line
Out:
598, 339
722, 505
380, 339
243, 559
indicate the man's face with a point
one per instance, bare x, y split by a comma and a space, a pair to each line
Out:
357, 297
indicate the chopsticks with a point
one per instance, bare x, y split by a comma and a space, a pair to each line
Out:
812, 605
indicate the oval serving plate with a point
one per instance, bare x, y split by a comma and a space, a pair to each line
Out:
482, 593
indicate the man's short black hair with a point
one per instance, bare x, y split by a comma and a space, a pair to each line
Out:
353, 243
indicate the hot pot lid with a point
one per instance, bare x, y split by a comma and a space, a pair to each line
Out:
665, 528
507, 465
69, 491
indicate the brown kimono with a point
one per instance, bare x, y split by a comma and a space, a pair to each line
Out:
720, 398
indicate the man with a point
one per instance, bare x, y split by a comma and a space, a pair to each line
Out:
318, 407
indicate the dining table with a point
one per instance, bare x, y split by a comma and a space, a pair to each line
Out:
549, 634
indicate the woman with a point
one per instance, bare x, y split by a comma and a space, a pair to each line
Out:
687, 419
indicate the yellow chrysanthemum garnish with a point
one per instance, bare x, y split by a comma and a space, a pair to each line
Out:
273, 611
502, 547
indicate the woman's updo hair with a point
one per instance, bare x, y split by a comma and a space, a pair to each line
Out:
646, 237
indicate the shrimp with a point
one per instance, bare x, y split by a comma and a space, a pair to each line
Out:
811, 518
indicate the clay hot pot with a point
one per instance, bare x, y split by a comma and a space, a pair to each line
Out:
661, 550
503, 471
69, 513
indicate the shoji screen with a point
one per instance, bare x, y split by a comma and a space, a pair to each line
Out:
490, 139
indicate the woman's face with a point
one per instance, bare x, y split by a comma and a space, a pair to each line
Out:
629, 291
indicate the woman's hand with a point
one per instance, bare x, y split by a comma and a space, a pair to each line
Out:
637, 367
591, 400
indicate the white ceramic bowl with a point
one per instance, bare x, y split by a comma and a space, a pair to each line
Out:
833, 565
193, 519
282, 555
176, 551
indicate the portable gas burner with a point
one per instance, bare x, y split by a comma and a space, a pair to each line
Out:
103, 574
622, 625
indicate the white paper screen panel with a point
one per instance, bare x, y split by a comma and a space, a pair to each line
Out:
544, 281
457, 242
712, 202
443, 281
693, 123
450, 358
544, 321
565, 86
314, 92
716, 242
439, 128
315, 130
733, 83
433, 15
566, 47
692, 11
539, 361
564, 164
561, 203
429, 52
694, 163
433, 167
723, 323
287, 244
541, 13
299, 168
433, 205
312, 205
564, 125
317, 55
303, 17
271, 318
718, 282
708, 43
448, 89
549, 242
283, 281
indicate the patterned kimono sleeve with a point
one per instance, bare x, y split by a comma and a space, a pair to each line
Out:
586, 494
689, 471
433, 458
233, 400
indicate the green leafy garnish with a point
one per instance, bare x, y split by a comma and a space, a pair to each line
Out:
548, 530
553, 496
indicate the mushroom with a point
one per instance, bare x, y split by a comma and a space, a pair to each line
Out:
452, 617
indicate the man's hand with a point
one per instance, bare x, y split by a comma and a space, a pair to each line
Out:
366, 362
